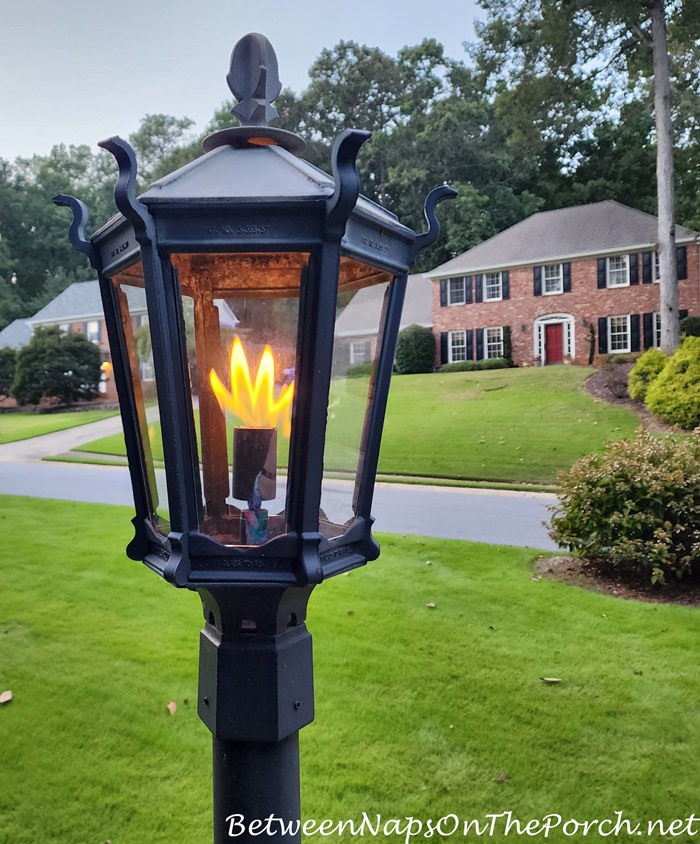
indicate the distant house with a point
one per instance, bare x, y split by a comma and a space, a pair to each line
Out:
357, 325
564, 285
78, 308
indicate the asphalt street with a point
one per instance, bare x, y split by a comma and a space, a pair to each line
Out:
502, 517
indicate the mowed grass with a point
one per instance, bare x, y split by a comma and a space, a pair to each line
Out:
24, 426
421, 710
513, 425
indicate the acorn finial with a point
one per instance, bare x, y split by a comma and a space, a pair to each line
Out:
254, 80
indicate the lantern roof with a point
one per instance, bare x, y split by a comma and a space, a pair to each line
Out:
263, 174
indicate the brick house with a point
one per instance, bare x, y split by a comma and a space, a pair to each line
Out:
565, 285
78, 308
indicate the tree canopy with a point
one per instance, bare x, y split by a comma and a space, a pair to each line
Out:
552, 106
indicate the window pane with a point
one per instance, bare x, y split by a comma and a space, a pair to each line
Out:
619, 333
492, 286
494, 342
458, 346
456, 291
553, 281
617, 271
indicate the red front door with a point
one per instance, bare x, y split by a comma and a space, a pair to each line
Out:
554, 342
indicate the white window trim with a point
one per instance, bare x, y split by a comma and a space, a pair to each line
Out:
656, 325
608, 271
498, 298
628, 345
463, 300
360, 355
450, 336
501, 346
560, 287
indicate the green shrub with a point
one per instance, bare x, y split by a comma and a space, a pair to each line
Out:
635, 507
690, 326
674, 395
55, 366
475, 365
8, 360
415, 350
359, 370
645, 370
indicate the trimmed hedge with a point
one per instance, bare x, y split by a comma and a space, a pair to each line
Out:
635, 508
415, 350
359, 370
674, 395
476, 365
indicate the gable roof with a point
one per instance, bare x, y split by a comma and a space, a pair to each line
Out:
16, 334
82, 301
361, 316
551, 236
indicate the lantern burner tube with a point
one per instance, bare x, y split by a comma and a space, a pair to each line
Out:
254, 477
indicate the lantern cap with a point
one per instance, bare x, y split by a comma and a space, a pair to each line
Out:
253, 79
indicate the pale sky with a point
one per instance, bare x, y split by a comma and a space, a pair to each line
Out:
76, 72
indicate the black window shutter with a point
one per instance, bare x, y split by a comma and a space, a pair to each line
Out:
647, 267
602, 333
566, 276
505, 284
682, 314
634, 268
479, 343
443, 292
634, 332
682, 262
443, 346
470, 344
468, 285
602, 273
478, 288
648, 330
537, 281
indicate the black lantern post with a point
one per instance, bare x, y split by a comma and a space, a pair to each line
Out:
245, 257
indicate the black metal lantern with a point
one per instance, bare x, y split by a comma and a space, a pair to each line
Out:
245, 257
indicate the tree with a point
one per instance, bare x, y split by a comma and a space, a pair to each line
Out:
8, 358
54, 365
161, 145
568, 64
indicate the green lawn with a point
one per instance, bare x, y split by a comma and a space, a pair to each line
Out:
24, 426
420, 711
512, 425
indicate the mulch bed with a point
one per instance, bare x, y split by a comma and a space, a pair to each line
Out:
577, 572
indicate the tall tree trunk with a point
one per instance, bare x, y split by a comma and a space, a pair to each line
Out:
668, 283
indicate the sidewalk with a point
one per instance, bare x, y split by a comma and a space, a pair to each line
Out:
37, 448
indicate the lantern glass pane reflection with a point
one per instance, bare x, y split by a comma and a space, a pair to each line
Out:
355, 346
137, 340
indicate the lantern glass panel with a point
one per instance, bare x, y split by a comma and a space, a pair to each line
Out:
131, 295
241, 314
355, 347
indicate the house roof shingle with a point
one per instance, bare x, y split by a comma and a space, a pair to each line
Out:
362, 314
16, 334
552, 236
81, 301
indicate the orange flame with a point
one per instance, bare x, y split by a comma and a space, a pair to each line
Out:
254, 404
